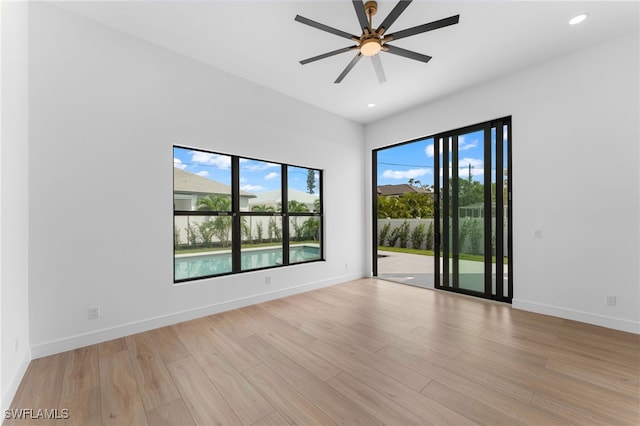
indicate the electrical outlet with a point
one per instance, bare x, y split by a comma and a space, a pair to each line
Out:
94, 312
610, 301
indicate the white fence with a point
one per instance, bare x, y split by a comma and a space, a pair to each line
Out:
470, 235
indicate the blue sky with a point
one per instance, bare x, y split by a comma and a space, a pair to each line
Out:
255, 176
415, 161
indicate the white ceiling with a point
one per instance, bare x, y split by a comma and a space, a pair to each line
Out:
261, 42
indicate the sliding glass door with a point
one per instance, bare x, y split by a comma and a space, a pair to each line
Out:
473, 210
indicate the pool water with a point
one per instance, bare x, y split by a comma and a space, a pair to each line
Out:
220, 263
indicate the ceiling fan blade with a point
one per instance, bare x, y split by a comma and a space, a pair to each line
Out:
326, 28
407, 53
452, 20
393, 15
377, 65
358, 5
328, 54
349, 67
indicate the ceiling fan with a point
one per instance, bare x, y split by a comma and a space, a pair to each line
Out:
373, 40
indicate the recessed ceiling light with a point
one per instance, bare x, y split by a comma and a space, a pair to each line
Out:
577, 19
372, 105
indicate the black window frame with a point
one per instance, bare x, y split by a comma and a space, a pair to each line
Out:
236, 214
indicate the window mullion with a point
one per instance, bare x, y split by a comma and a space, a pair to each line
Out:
236, 238
284, 196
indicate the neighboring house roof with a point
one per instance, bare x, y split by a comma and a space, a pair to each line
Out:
400, 189
273, 197
189, 183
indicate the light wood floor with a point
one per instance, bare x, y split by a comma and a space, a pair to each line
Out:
366, 352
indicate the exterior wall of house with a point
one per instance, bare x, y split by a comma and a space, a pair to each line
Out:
100, 101
575, 143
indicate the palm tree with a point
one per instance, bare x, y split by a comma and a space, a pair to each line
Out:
310, 227
221, 225
215, 203
297, 207
262, 208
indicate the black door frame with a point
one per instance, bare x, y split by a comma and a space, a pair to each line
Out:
442, 203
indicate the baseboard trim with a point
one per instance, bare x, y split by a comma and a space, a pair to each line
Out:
572, 314
10, 392
103, 335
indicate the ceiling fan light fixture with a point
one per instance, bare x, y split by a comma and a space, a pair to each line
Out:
578, 18
370, 47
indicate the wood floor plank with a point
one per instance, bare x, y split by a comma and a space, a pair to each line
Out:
234, 323
190, 334
613, 376
228, 345
273, 419
571, 414
242, 397
83, 408
340, 409
174, 413
121, 403
265, 315
428, 410
292, 406
154, 382
321, 327
82, 372
110, 347
43, 384
376, 404
301, 355
488, 396
206, 405
468, 407
168, 344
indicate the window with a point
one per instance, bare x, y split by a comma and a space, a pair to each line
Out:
234, 214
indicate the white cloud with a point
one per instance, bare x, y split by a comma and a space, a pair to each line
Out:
220, 161
250, 188
203, 173
271, 175
463, 145
429, 150
405, 174
179, 164
259, 166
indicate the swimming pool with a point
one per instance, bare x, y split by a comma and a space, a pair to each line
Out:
193, 266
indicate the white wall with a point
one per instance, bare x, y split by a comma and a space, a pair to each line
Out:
575, 177
105, 110
14, 132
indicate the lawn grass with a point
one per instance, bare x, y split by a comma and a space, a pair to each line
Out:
462, 256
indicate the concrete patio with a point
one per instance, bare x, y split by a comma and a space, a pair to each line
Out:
405, 268
418, 270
